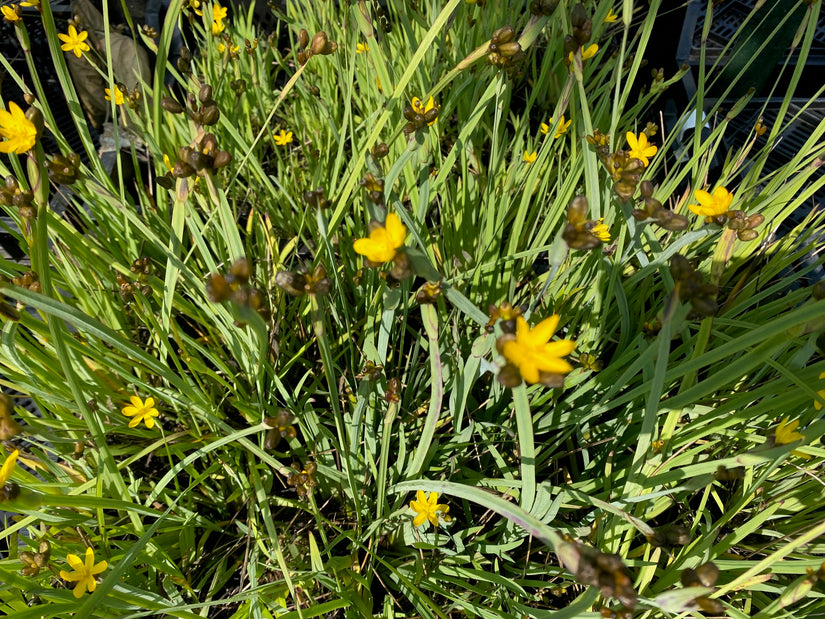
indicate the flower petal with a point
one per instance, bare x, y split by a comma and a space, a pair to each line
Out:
543, 331
396, 230
75, 562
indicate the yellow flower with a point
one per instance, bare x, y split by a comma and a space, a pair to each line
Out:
529, 157
11, 13
84, 572
601, 231
19, 131
141, 411
560, 130
586, 53
427, 508
195, 6
611, 17
74, 41
168, 163
118, 95
383, 242
422, 109
821, 394
8, 467
283, 138
360, 48
639, 147
218, 15
786, 432
712, 205
532, 352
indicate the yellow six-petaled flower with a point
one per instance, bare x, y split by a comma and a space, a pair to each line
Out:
561, 129
282, 138
8, 467
11, 13
383, 242
601, 231
640, 148
427, 508
611, 17
19, 131
74, 41
218, 15
532, 352
84, 572
118, 95
711, 205
589, 52
529, 157
141, 411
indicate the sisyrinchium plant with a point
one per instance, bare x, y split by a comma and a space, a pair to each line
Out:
260, 345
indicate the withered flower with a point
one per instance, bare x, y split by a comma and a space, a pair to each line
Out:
668, 536
304, 481
652, 209
428, 293
64, 169
580, 232
690, 287
505, 312
33, 562
374, 186
280, 428
315, 197
605, 571
302, 283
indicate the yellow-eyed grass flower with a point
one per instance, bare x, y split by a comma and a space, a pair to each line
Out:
560, 130
427, 507
712, 205
383, 242
218, 15
611, 17
141, 411
84, 572
528, 157
11, 13
74, 41
282, 138
588, 52
785, 434
360, 48
530, 351
601, 231
640, 148
119, 99
19, 131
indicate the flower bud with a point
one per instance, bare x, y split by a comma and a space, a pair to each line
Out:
646, 189
379, 151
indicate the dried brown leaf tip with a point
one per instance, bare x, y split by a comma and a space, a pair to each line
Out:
605, 571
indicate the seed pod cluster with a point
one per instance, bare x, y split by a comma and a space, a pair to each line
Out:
33, 562
668, 536
543, 7
419, 117
625, 172
607, 572
11, 194
320, 44
705, 575
745, 226
582, 31
234, 286
304, 481
504, 50
652, 209
690, 287
578, 231
204, 156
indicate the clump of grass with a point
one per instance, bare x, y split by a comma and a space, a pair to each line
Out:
305, 364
